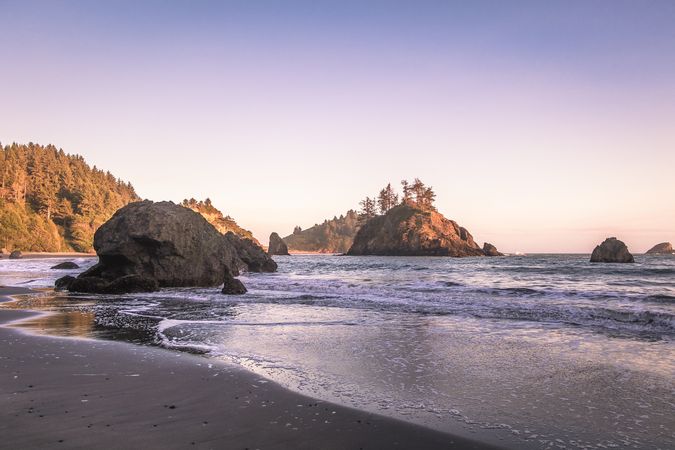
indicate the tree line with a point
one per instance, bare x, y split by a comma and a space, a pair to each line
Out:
54, 201
415, 194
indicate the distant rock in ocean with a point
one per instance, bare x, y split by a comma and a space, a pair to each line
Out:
277, 245
664, 248
411, 230
612, 250
491, 250
148, 245
16, 254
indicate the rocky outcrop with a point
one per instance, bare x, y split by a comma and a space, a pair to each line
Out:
664, 248
148, 245
232, 286
16, 254
68, 265
331, 236
277, 245
222, 223
612, 250
408, 230
96, 285
491, 250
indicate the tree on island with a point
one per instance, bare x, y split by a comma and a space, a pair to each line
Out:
418, 194
368, 208
387, 199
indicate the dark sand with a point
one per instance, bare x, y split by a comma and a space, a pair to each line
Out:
78, 393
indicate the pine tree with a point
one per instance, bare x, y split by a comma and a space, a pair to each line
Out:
387, 199
368, 208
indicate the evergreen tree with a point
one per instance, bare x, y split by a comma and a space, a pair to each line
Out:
387, 199
368, 208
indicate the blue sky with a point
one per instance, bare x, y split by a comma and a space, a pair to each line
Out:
543, 126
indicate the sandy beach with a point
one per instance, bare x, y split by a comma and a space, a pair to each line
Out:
80, 393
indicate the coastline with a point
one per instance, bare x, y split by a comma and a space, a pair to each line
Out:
44, 255
81, 393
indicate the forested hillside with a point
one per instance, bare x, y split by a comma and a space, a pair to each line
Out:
332, 236
53, 201
216, 218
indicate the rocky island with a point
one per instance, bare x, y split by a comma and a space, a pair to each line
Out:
409, 230
612, 250
277, 245
147, 245
664, 248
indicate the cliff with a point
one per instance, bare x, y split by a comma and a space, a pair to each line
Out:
222, 223
332, 236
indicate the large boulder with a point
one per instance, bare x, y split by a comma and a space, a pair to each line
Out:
612, 250
664, 248
491, 250
163, 244
277, 245
16, 254
409, 230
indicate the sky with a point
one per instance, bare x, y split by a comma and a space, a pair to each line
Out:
542, 126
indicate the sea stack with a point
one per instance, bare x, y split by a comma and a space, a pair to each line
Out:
664, 248
491, 250
277, 245
148, 245
612, 250
412, 230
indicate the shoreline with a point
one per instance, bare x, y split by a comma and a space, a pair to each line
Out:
81, 393
45, 255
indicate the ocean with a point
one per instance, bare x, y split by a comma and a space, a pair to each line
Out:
537, 351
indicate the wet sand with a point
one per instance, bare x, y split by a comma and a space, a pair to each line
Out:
79, 393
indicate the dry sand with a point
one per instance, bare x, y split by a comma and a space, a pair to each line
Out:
88, 394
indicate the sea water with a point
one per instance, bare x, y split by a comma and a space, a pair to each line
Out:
545, 351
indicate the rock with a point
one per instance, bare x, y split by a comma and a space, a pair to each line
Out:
232, 286
132, 283
664, 248
612, 250
97, 285
16, 254
409, 230
68, 265
250, 256
277, 245
163, 244
491, 250
91, 285
64, 283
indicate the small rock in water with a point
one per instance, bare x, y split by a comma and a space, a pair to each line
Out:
66, 266
16, 254
232, 286
612, 250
